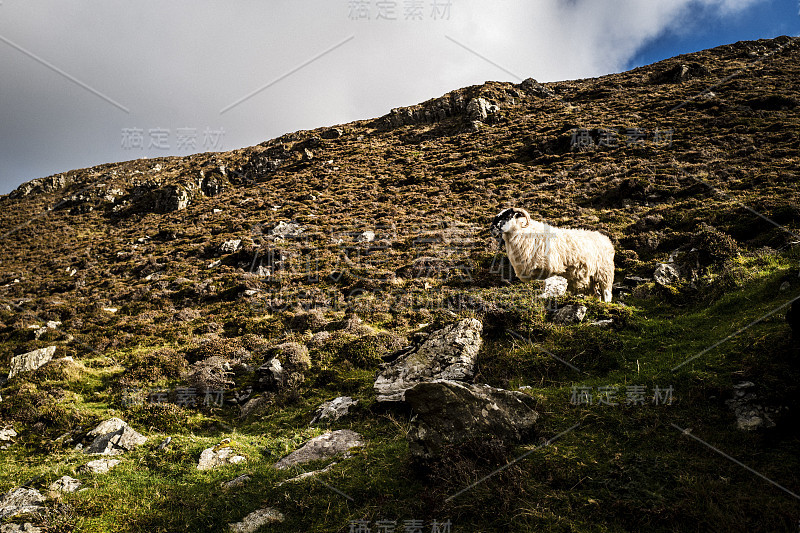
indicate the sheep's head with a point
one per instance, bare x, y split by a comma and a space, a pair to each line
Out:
509, 220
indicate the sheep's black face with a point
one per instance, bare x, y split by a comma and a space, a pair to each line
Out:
500, 221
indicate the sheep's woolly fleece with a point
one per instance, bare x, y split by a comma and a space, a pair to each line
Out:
537, 250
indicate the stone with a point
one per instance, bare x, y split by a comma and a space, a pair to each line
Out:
113, 437
271, 375
256, 519
750, 415
605, 323
230, 246
570, 314
333, 410
20, 501
451, 413
366, 236
306, 475
99, 466
287, 229
666, 275
480, 110
448, 353
171, 198
65, 484
7, 434
236, 482
30, 361
27, 527
554, 286
218, 455
164, 443
332, 133
323, 447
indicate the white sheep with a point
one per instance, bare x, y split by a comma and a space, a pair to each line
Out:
537, 250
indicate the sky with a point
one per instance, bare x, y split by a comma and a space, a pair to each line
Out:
84, 83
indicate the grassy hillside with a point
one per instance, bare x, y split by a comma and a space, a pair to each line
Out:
694, 158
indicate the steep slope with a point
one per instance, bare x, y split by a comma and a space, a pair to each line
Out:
692, 160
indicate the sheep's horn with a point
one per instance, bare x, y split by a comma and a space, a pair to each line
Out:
527, 218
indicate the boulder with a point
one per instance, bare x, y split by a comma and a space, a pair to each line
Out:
750, 414
480, 110
113, 437
30, 361
230, 246
20, 501
448, 353
271, 375
99, 466
285, 229
554, 286
333, 410
366, 236
236, 482
65, 484
452, 413
256, 519
221, 454
570, 314
326, 445
666, 275
7, 437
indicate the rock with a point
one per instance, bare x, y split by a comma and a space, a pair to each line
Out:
452, 413
366, 236
605, 323
7, 434
256, 519
554, 286
666, 275
170, 198
531, 86
333, 410
65, 484
308, 155
319, 339
230, 246
263, 272
20, 501
570, 314
448, 353
287, 229
326, 445
271, 375
27, 527
219, 455
750, 415
114, 437
680, 73
30, 361
480, 110
99, 466
164, 443
332, 133
235, 483
633, 281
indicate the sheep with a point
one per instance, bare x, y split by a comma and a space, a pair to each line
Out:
537, 250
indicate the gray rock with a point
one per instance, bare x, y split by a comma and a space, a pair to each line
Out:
256, 519
271, 375
480, 110
230, 246
99, 466
20, 501
448, 353
170, 198
570, 314
235, 483
333, 410
219, 455
452, 413
306, 475
750, 415
366, 236
27, 527
326, 445
113, 437
666, 275
164, 443
65, 484
605, 323
30, 361
7, 434
554, 286
287, 229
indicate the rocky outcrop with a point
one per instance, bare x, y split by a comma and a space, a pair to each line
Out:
99, 466
451, 413
666, 275
221, 454
325, 446
448, 353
